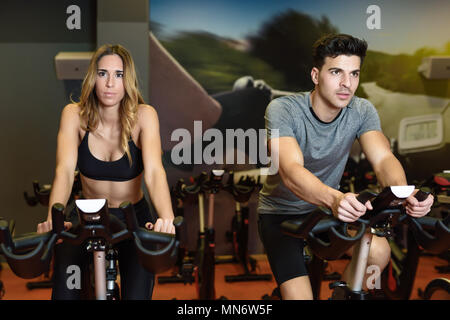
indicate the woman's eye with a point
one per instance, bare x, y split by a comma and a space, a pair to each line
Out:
119, 75
101, 73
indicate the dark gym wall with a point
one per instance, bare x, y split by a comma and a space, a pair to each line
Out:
31, 34
127, 23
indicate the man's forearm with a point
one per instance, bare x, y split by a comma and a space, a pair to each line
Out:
308, 187
390, 172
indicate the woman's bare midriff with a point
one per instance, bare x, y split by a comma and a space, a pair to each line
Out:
115, 192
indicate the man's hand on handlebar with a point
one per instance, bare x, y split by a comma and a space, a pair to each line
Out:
416, 208
348, 209
161, 225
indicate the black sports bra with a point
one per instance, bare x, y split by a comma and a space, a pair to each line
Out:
118, 170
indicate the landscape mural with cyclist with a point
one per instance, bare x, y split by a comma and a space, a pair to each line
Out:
277, 50
221, 42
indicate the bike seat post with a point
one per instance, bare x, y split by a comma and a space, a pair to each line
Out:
201, 212
100, 272
359, 262
111, 273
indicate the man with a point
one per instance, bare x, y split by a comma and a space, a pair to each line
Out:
315, 133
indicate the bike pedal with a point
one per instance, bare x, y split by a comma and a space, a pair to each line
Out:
337, 284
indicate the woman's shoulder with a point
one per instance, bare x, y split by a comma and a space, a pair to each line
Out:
71, 109
146, 108
70, 118
146, 113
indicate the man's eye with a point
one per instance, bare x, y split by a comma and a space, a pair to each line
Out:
355, 74
335, 72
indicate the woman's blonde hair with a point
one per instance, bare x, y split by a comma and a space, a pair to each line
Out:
129, 104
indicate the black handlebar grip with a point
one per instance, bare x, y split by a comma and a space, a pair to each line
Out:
230, 181
58, 218
366, 195
421, 195
31, 201
202, 178
178, 221
130, 215
5, 234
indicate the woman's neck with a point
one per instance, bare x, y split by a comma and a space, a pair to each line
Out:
109, 118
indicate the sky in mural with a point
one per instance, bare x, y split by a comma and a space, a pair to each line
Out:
402, 26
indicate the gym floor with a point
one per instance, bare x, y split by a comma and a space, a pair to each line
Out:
15, 287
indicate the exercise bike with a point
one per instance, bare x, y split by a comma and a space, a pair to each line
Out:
42, 196
238, 236
29, 255
387, 211
205, 259
398, 278
200, 269
11, 227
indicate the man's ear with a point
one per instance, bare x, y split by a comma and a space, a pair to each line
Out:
315, 75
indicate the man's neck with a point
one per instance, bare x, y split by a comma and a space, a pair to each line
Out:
322, 108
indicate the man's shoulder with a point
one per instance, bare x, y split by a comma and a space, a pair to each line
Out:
290, 102
360, 104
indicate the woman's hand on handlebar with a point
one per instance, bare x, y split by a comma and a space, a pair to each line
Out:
161, 225
348, 209
416, 208
46, 226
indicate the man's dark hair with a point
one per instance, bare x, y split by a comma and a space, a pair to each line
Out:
333, 45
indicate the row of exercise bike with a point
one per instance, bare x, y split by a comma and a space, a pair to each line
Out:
327, 239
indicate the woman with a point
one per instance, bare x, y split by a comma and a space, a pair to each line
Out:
113, 138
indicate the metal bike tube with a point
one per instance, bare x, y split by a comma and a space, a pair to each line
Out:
211, 211
360, 256
201, 212
100, 275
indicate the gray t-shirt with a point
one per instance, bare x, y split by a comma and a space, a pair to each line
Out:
325, 146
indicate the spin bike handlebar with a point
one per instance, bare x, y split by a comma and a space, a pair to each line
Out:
202, 183
241, 191
42, 192
29, 255
181, 190
385, 205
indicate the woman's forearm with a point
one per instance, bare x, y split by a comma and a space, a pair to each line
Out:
158, 190
61, 189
